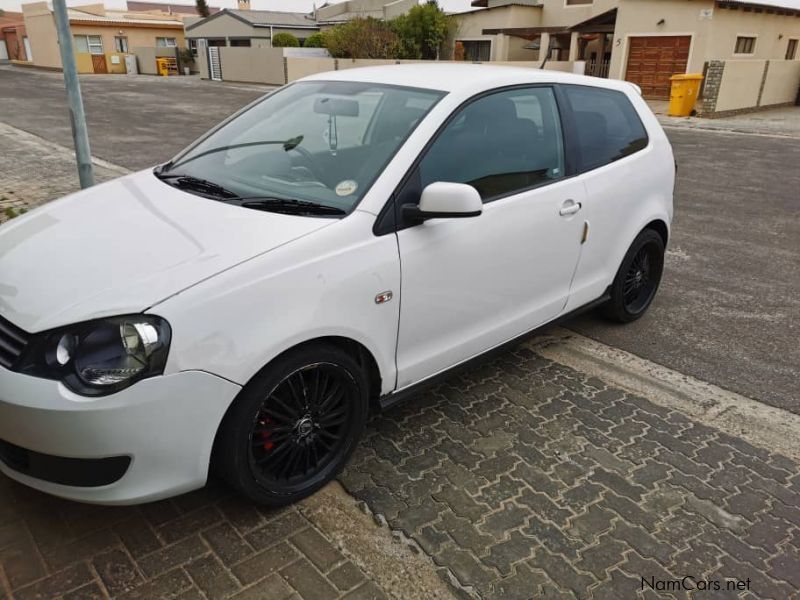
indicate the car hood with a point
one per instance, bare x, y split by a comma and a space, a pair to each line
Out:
123, 246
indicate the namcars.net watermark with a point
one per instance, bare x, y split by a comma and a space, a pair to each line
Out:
689, 583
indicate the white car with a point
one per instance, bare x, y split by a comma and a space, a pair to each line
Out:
318, 255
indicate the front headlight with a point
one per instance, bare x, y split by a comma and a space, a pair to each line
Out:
100, 357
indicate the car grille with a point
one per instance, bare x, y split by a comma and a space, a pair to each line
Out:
12, 342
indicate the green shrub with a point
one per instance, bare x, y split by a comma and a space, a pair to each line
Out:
362, 38
422, 31
285, 40
315, 40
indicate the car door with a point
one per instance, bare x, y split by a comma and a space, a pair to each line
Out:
469, 284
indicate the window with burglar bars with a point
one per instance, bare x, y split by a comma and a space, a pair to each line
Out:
745, 45
93, 44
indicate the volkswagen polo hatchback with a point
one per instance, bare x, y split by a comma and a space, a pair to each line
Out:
320, 254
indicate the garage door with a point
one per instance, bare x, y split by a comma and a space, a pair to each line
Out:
652, 60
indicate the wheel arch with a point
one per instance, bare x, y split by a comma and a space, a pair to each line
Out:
355, 349
660, 227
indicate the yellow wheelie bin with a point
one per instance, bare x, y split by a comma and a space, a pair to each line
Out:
683, 94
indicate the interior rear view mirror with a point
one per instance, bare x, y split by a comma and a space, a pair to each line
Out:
339, 107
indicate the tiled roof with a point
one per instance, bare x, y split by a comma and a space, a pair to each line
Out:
113, 17
185, 9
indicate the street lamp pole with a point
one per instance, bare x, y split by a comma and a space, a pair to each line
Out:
77, 117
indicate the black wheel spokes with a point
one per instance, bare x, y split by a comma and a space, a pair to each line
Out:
640, 281
302, 424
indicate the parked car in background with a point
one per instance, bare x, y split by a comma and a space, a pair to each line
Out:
322, 253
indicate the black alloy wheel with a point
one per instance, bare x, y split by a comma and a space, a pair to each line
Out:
302, 426
294, 425
638, 278
639, 287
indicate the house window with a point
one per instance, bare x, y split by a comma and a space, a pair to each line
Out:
240, 43
791, 50
745, 45
477, 50
193, 46
578, 2
166, 42
93, 44
121, 44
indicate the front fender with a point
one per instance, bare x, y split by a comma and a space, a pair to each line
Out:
321, 285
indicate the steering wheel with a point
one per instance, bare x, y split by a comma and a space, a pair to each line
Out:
310, 164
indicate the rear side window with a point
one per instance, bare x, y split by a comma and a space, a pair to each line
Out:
607, 126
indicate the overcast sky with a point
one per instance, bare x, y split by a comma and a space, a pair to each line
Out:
280, 5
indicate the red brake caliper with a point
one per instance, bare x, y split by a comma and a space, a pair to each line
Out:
268, 444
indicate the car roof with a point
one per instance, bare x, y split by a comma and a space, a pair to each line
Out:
467, 78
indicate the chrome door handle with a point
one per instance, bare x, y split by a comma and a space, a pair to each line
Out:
570, 207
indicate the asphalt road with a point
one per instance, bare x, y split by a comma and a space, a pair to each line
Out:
134, 121
729, 307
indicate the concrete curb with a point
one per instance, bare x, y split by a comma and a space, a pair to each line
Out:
400, 569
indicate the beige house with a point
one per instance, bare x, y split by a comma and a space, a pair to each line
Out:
644, 41
101, 39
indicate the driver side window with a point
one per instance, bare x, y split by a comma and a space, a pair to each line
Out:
500, 144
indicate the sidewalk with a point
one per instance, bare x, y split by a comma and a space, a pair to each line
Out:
783, 121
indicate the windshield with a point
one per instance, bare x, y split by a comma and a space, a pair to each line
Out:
313, 142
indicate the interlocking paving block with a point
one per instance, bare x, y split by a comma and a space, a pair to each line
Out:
580, 489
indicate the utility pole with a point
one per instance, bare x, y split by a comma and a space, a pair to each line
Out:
80, 134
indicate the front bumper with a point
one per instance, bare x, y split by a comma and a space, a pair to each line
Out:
164, 425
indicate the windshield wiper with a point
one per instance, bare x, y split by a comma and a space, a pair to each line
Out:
289, 144
289, 206
184, 181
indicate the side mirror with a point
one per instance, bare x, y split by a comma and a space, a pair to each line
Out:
443, 200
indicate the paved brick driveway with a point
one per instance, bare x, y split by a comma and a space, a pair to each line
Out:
521, 479
526, 479
204, 544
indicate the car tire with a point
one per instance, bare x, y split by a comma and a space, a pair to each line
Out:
294, 425
637, 279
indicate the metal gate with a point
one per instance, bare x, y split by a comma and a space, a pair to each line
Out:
214, 66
